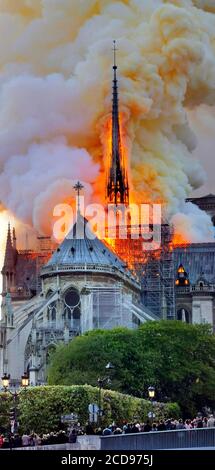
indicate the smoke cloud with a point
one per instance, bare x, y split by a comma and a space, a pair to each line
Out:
55, 95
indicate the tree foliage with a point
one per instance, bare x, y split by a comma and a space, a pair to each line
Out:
6, 402
176, 358
40, 408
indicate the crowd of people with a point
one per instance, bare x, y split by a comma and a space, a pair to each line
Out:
10, 440
162, 425
28, 439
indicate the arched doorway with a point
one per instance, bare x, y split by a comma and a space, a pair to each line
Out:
183, 315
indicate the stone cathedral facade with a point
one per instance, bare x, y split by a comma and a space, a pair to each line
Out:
84, 286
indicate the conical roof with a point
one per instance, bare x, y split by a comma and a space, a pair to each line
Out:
81, 250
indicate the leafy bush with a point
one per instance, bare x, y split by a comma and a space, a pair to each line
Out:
40, 408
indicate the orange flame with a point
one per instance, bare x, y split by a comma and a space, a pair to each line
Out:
179, 239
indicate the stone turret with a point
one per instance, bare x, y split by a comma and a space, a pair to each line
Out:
9, 266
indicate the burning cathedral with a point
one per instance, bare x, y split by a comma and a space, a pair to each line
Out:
58, 292
84, 284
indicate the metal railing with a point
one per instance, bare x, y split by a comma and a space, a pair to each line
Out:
177, 439
88, 267
191, 289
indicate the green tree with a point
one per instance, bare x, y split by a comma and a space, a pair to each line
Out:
6, 402
177, 358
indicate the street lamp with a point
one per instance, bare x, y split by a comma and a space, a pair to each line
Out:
151, 392
5, 381
25, 380
6, 384
101, 382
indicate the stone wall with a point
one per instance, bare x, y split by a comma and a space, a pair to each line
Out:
82, 443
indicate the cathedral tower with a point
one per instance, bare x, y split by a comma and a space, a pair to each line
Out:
117, 185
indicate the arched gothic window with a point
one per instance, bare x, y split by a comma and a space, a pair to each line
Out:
51, 310
52, 314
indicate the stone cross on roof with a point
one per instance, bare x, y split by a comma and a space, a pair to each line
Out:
78, 187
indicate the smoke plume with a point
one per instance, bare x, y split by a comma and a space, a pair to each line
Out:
55, 96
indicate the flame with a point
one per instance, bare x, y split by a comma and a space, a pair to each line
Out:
179, 239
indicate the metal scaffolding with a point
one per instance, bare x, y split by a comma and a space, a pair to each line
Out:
107, 307
158, 278
154, 269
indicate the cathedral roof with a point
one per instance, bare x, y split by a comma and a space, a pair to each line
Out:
208, 198
81, 250
196, 258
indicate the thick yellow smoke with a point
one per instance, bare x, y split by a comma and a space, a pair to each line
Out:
55, 90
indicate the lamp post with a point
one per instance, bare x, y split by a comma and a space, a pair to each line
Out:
101, 382
151, 392
6, 385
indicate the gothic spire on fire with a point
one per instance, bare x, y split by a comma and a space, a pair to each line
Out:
117, 185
